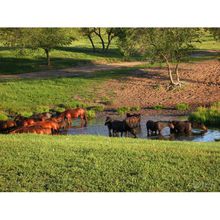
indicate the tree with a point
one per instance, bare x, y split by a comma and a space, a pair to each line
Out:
50, 38
88, 32
216, 33
105, 35
35, 38
168, 45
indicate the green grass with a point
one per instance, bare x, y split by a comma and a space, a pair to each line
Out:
207, 43
91, 114
34, 95
92, 163
135, 108
123, 110
158, 107
209, 116
3, 116
79, 53
182, 106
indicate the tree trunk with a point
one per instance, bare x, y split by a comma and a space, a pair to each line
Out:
91, 41
47, 51
98, 33
109, 39
109, 42
170, 72
177, 73
172, 83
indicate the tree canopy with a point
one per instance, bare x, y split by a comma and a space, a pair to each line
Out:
34, 38
105, 36
216, 33
168, 45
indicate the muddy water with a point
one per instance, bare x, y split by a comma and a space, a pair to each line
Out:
96, 127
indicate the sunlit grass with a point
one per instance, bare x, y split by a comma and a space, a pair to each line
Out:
91, 163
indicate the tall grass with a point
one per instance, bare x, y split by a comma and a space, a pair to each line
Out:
182, 106
209, 116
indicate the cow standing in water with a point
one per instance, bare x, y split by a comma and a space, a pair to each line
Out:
155, 127
70, 114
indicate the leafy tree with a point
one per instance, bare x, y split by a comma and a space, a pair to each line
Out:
105, 35
216, 33
35, 38
88, 32
168, 45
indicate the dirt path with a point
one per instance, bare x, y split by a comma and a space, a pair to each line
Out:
73, 71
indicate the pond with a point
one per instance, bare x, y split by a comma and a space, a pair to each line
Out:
96, 127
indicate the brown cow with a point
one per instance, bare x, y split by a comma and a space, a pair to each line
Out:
185, 127
70, 114
5, 126
54, 126
156, 127
32, 129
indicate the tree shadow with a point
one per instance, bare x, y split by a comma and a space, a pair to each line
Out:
114, 53
16, 65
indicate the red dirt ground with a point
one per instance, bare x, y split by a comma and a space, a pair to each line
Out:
148, 87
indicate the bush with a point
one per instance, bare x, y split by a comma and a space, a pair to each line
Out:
135, 108
182, 106
107, 101
123, 110
59, 109
158, 107
91, 114
3, 116
41, 109
209, 116
98, 108
25, 114
76, 104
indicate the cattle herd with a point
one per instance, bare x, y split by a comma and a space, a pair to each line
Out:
43, 123
132, 122
54, 123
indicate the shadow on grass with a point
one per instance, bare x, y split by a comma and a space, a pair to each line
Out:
113, 53
18, 65
200, 55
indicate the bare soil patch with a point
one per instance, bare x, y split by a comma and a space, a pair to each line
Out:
148, 87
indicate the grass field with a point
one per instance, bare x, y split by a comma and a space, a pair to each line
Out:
91, 163
29, 94
79, 53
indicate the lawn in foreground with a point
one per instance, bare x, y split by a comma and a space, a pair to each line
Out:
92, 163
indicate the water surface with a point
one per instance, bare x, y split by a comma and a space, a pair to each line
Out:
96, 127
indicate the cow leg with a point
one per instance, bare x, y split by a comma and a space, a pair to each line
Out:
133, 133
109, 133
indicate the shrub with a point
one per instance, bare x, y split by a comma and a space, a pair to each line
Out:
107, 101
76, 104
26, 114
158, 107
182, 106
3, 116
91, 114
123, 110
41, 109
209, 116
59, 109
98, 108
135, 108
